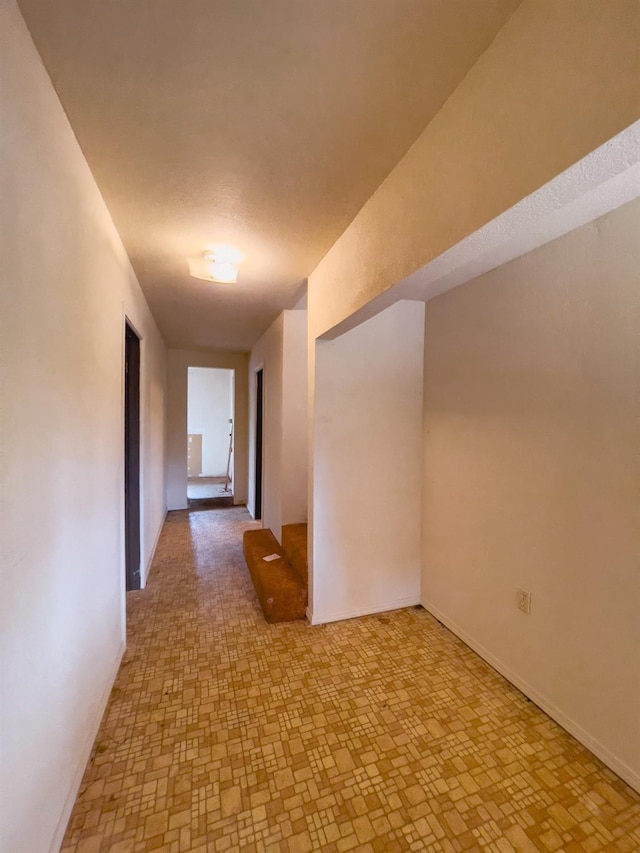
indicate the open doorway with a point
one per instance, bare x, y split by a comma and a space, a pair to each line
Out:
132, 457
210, 421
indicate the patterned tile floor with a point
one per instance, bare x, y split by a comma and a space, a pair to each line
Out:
384, 733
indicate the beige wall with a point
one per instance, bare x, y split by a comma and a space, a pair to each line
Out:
178, 363
267, 354
560, 79
294, 418
282, 354
66, 286
366, 452
532, 466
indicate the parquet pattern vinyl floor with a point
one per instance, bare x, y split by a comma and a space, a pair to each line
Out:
379, 734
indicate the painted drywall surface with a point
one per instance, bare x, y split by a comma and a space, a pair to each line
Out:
282, 355
209, 408
267, 355
367, 481
178, 363
532, 465
66, 286
537, 100
153, 405
294, 418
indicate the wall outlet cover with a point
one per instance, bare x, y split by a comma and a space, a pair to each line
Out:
524, 600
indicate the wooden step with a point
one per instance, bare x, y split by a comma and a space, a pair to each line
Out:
281, 591
294, 545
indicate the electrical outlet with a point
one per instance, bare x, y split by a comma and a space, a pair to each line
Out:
524, 601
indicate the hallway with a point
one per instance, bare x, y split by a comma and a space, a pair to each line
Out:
384, 733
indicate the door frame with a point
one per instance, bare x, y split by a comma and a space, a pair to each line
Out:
132, 514
259, 443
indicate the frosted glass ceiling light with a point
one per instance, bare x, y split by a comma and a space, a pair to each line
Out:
223, 265
223, 271
220, 263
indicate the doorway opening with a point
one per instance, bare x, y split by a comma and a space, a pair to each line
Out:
210, 434
257, 505
132, 457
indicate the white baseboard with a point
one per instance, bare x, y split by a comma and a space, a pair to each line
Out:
630, 776
81, 766
338, 615
153, 551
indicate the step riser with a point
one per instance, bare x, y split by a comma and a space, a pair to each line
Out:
294, 546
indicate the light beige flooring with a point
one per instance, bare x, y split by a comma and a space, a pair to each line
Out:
208, 487
380, 734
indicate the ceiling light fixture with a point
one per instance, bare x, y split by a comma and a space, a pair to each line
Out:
219, 263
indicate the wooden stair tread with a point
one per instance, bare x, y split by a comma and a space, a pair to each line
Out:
281, 591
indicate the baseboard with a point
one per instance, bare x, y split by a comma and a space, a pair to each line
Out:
153, 551
338, 615
56, 842
630, 776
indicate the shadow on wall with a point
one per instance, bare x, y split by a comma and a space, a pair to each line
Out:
367, 474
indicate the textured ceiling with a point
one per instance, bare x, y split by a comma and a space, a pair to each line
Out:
261, 123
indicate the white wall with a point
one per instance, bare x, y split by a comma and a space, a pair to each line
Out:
65, 287
282, 354
367, 482
268, 355
209, 408
178, 363
294, 418
531, 473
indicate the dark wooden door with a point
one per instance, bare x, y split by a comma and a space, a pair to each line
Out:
132, 458
258, 480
